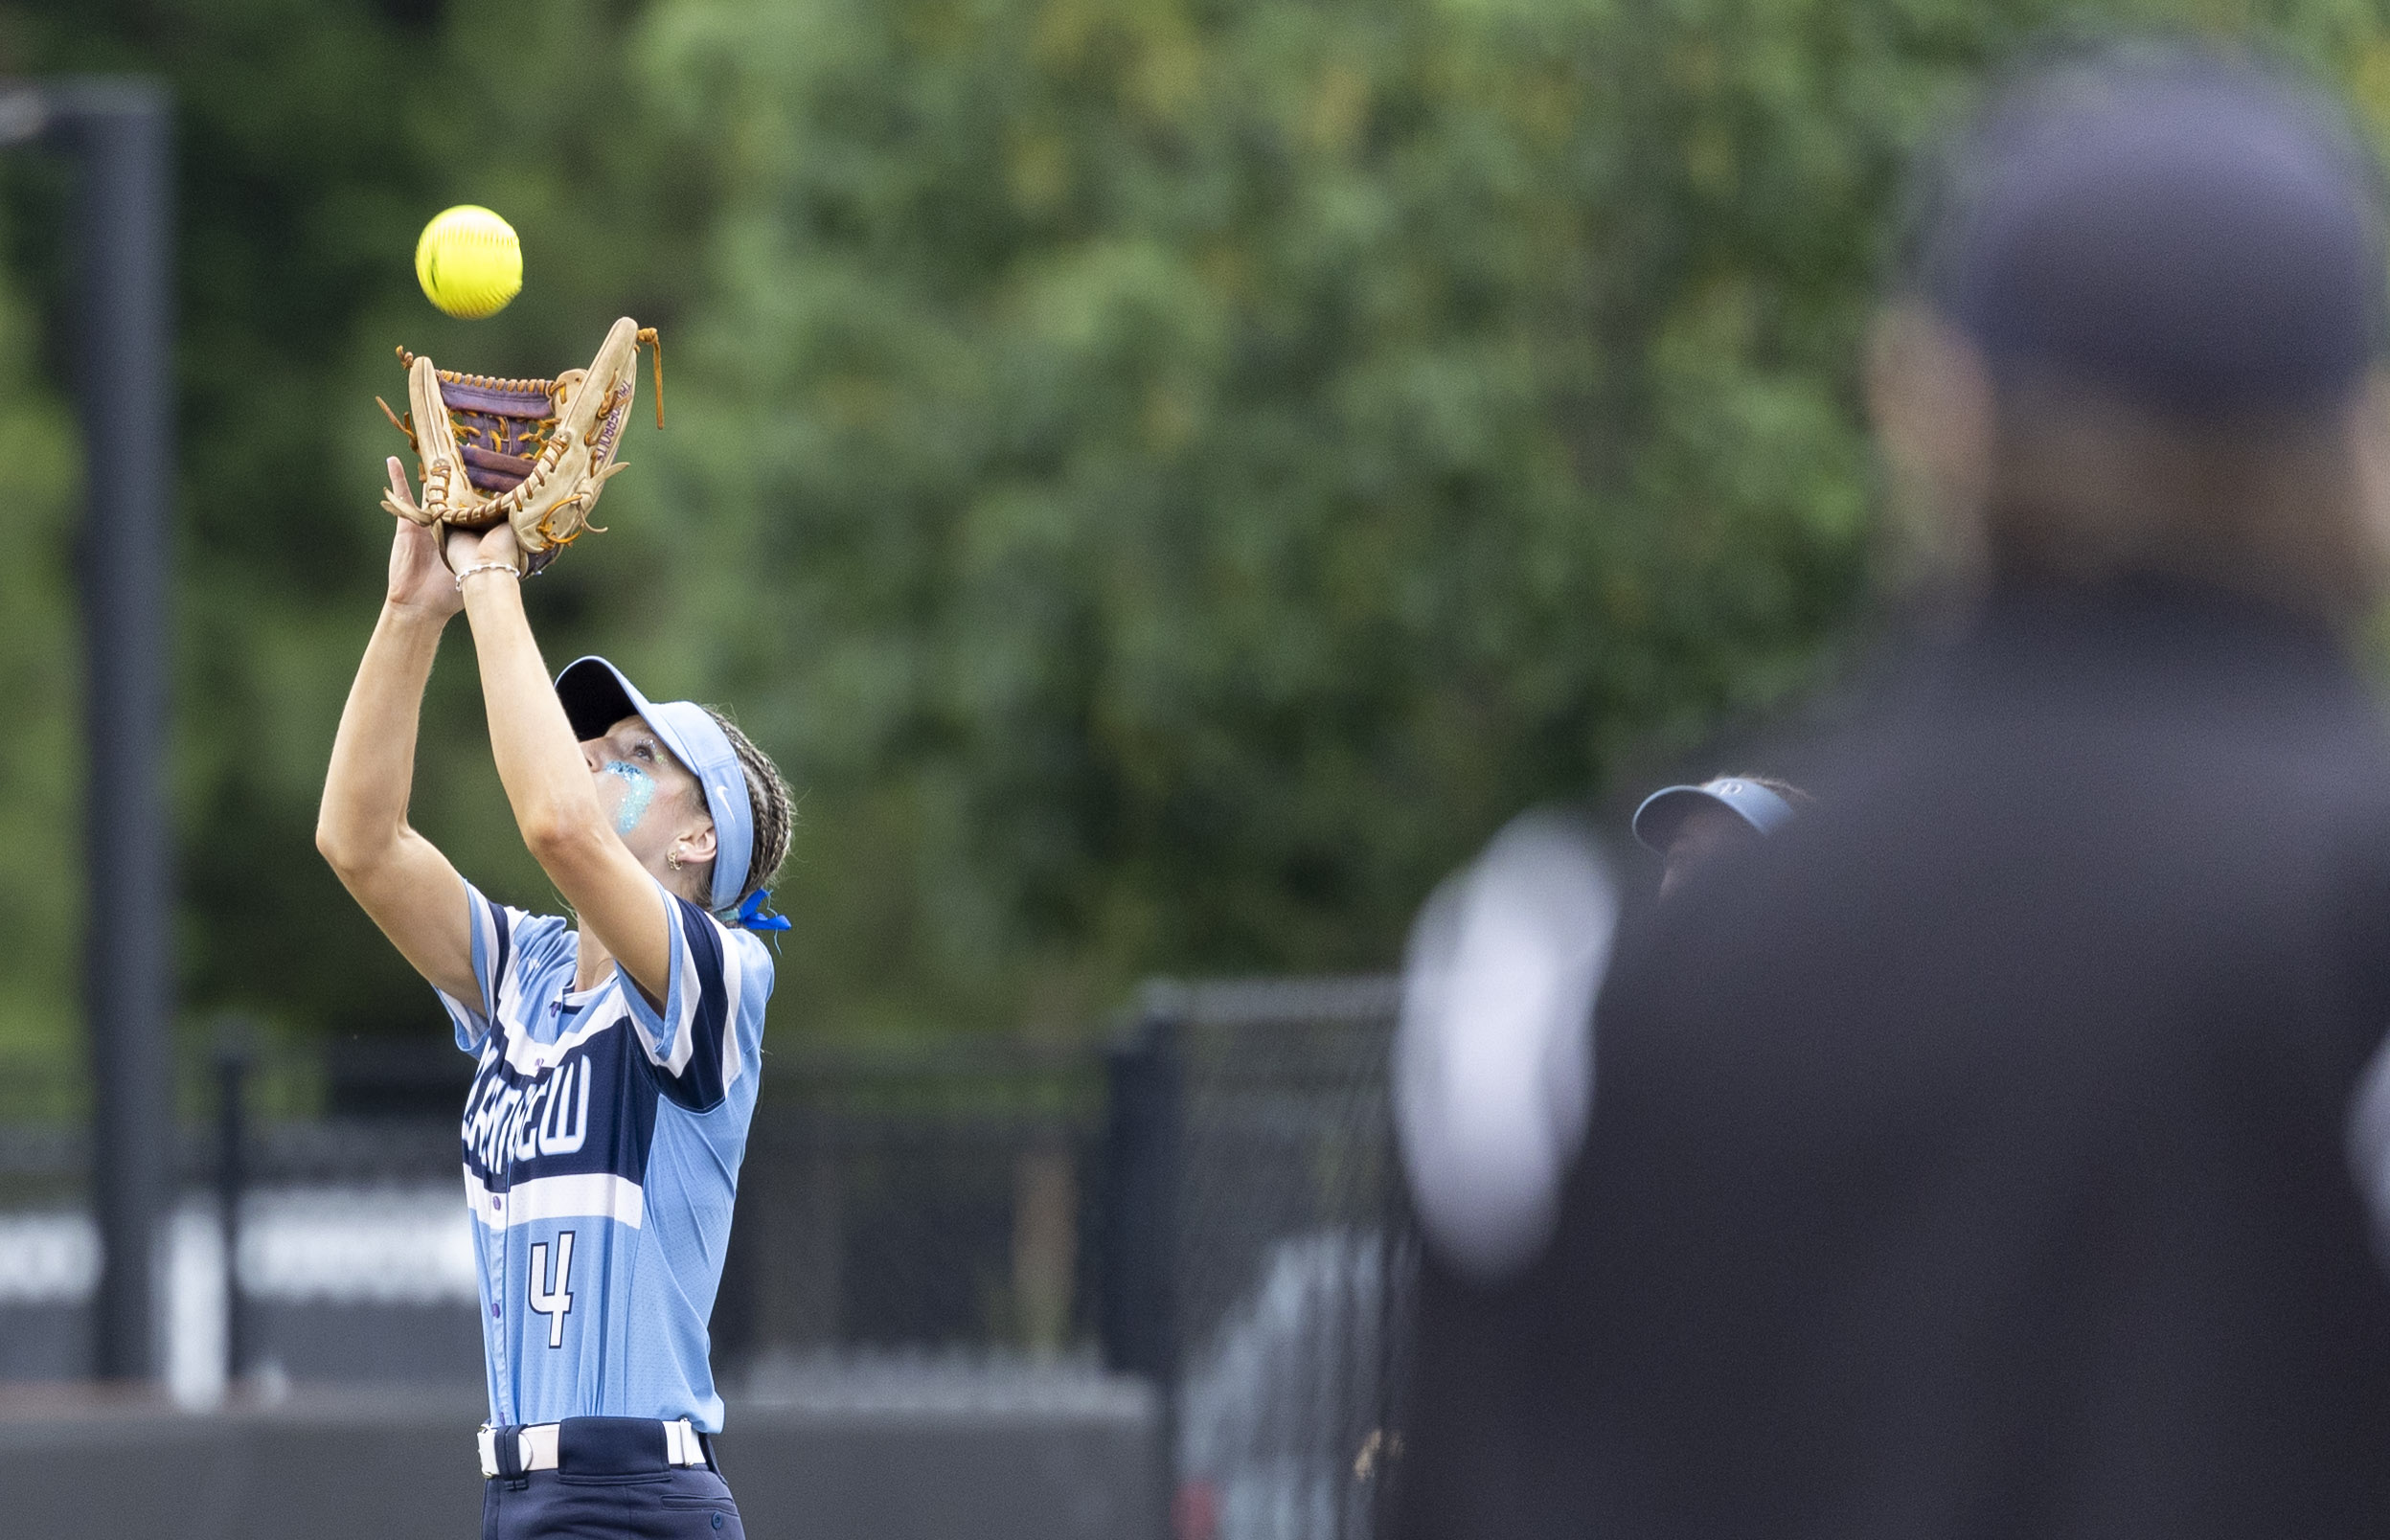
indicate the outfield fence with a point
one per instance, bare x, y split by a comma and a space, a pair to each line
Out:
1207, 1203
1262, 1250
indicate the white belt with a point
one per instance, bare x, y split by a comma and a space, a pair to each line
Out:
682, 1447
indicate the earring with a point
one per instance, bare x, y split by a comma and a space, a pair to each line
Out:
672, 860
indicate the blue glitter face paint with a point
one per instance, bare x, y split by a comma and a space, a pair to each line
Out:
638, 791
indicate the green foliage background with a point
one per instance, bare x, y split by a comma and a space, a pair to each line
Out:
1166, 477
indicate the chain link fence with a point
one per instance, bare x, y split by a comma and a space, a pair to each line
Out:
921, 1203
1207, 1203
1264, 1250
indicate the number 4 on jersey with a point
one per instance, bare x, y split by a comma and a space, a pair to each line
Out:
548, 1291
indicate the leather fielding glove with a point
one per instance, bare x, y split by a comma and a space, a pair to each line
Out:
535, 453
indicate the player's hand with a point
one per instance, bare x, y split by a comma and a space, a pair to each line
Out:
417, 580
494, 546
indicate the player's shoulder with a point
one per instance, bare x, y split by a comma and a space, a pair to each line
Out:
755, 961
739, 949
525, 936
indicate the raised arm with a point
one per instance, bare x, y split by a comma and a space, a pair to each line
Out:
547, 778
400, 878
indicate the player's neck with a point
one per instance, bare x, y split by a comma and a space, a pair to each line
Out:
594, 961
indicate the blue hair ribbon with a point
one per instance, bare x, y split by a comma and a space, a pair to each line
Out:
756, 913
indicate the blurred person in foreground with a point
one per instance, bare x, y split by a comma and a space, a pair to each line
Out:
1491, 1055
1997, 1152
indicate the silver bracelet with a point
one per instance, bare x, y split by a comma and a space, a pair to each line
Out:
515, 573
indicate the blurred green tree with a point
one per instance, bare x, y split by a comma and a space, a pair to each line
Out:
1195, 466
311, 150
1167, 477
41, 883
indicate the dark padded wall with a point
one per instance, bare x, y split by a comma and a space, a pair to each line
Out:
398, 1466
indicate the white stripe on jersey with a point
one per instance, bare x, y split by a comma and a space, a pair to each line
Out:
594, 1195
734, 985
688, 989
486, 922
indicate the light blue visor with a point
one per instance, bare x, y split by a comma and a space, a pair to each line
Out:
1663, 813
596, 696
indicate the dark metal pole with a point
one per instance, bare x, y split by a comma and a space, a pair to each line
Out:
1144, 1157
118, 130
234, 1052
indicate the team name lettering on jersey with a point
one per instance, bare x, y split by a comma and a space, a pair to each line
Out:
600, 1145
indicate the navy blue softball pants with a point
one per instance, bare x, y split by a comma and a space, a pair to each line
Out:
611, 1487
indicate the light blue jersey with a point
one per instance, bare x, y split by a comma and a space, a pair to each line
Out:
602, 1150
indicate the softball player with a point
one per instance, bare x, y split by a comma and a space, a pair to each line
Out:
617, 1051
1688, 826
1493, 1067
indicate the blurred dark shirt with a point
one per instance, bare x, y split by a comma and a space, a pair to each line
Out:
1971, 1158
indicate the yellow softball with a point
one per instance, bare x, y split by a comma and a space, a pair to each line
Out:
469, 262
